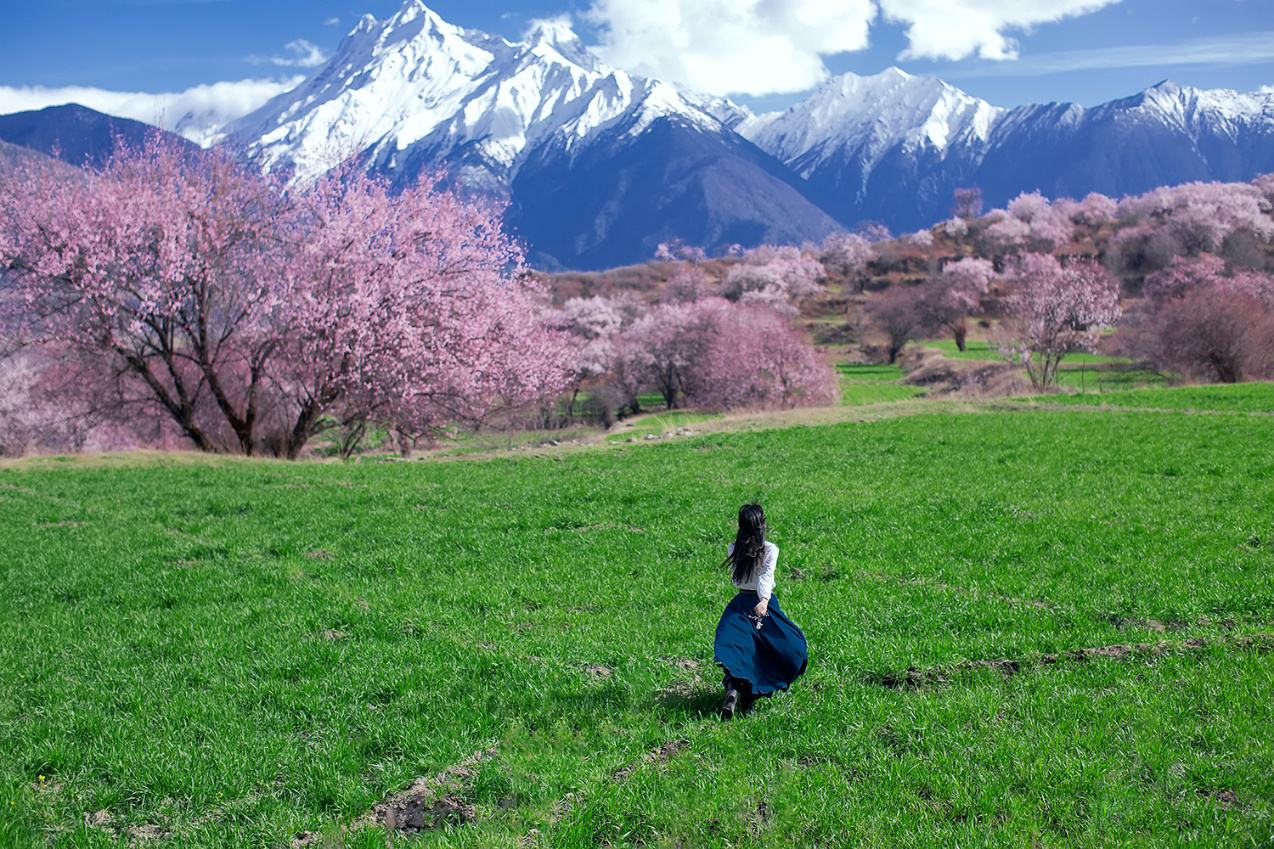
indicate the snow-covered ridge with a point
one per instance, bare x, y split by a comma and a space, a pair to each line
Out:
869, 116
415, 86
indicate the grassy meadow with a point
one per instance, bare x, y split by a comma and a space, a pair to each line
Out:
1029, 625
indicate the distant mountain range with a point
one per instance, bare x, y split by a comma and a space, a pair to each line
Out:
599, 165
75, 134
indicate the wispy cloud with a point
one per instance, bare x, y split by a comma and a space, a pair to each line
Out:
1242, 49
197, 113
1267, 89
332, 22
298, 54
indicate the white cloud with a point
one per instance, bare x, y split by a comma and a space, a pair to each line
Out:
300, 54
1242, 49
957, 29
1267, 89
332, 22
731, 46
762, 47
197, 113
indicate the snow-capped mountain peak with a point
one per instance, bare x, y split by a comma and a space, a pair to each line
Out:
557, 35
872, 115
416, 87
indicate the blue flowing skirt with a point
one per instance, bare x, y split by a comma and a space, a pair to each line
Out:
771, 657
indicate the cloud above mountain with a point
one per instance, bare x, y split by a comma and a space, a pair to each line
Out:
195, 113
958, 29
729, 46
759, 47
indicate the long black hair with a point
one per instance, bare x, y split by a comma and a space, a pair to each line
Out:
749, 544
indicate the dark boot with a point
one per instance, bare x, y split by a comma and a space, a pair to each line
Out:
730, 703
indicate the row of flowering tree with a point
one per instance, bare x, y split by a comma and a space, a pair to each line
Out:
1049, 308
711, 343
1134, 235
251, 316
1208, 322
243, 314
1195, 258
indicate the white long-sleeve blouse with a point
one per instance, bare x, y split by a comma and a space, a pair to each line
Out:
760, 582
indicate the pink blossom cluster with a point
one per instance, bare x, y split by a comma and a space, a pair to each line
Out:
775, 276
1183, 276
718, 345
1203, 322
1201, 216
1030, 222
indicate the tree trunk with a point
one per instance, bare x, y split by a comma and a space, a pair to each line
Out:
960, 333
301, 430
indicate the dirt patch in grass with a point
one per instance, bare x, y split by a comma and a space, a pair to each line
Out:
684, 664
430, 802
757, 818
915, 678
47, 788
1136, 624
1227, 798
596, 670
663, 754
105, 821
599, 526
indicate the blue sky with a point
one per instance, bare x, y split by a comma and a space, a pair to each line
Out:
1097, 51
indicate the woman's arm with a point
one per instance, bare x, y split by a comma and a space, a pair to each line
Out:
765, 581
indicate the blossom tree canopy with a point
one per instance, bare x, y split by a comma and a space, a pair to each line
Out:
255, 317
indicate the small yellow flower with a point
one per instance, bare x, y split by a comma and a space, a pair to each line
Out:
42, 778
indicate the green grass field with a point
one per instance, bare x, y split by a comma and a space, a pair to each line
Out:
1106, 379
211, 653
987, 351
862, 384
1239, 397
870, 372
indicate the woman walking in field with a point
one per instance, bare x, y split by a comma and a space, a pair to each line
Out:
760, 649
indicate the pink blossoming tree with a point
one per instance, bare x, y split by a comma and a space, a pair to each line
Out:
255, 317
759, 361
1054, 308
949, 300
